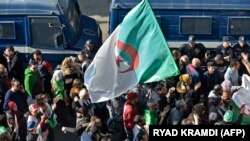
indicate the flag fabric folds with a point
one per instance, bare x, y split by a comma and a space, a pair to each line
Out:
241, 99
136, 52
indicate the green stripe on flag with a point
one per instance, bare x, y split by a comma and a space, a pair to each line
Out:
140, 30
236, 111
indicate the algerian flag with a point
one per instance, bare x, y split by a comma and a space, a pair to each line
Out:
136, 52
241, 99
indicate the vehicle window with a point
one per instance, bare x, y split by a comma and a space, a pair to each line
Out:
195, 25
65, 6
239, 26
43, 31
73, 16
7, 30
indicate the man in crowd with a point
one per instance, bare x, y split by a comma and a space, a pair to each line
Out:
17, 94
129, 114
14, 63
225, 49
232, 72
32, 81
241, 47
89, 49
45, 72
193, 49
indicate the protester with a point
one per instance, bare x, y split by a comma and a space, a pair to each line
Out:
14, 63
32, 83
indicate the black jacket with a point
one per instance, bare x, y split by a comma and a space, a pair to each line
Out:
15, 67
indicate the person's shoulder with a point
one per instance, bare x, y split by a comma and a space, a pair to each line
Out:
184, 45
201, 45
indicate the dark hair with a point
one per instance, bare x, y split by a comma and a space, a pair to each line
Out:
89, 42
199, 109
159, 86
37, 52
233, 62
217, 89
191, 38
32, 62
10, 48
40, 98
13, 81
210, 64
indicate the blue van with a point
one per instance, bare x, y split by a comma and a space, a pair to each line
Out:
56, 27
208, 20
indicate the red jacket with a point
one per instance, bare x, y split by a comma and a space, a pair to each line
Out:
129, 115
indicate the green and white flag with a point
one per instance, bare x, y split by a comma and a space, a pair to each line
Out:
136, 52
241, 99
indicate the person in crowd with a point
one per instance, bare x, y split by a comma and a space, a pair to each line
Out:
3, 59
69, 74
33, 123
83, 108
216, 92
241, 47
209, 56
184, 84
82, 61
184, 61
140, 133
32, 83
45, 71
215, 110
17, 94
101, 111
176, 55
197, 117
115, 122
93, 133
228, 90
210, 78
150, 115
177, 114
14, 63
221, 66
225, 49
129, 114
228, 118
58, 91
193, 49
151, 91
193, 70
12, 120
90, 49
77, 85
47, 112
4, 85
143, 94
4, 134
232, 72
166, 96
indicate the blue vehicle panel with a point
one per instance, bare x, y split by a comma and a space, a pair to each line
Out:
56, 27
208, 20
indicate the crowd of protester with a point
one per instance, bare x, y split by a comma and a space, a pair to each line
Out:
38, 98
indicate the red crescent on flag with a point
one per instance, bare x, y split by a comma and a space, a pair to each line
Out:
132, 52
243, 106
